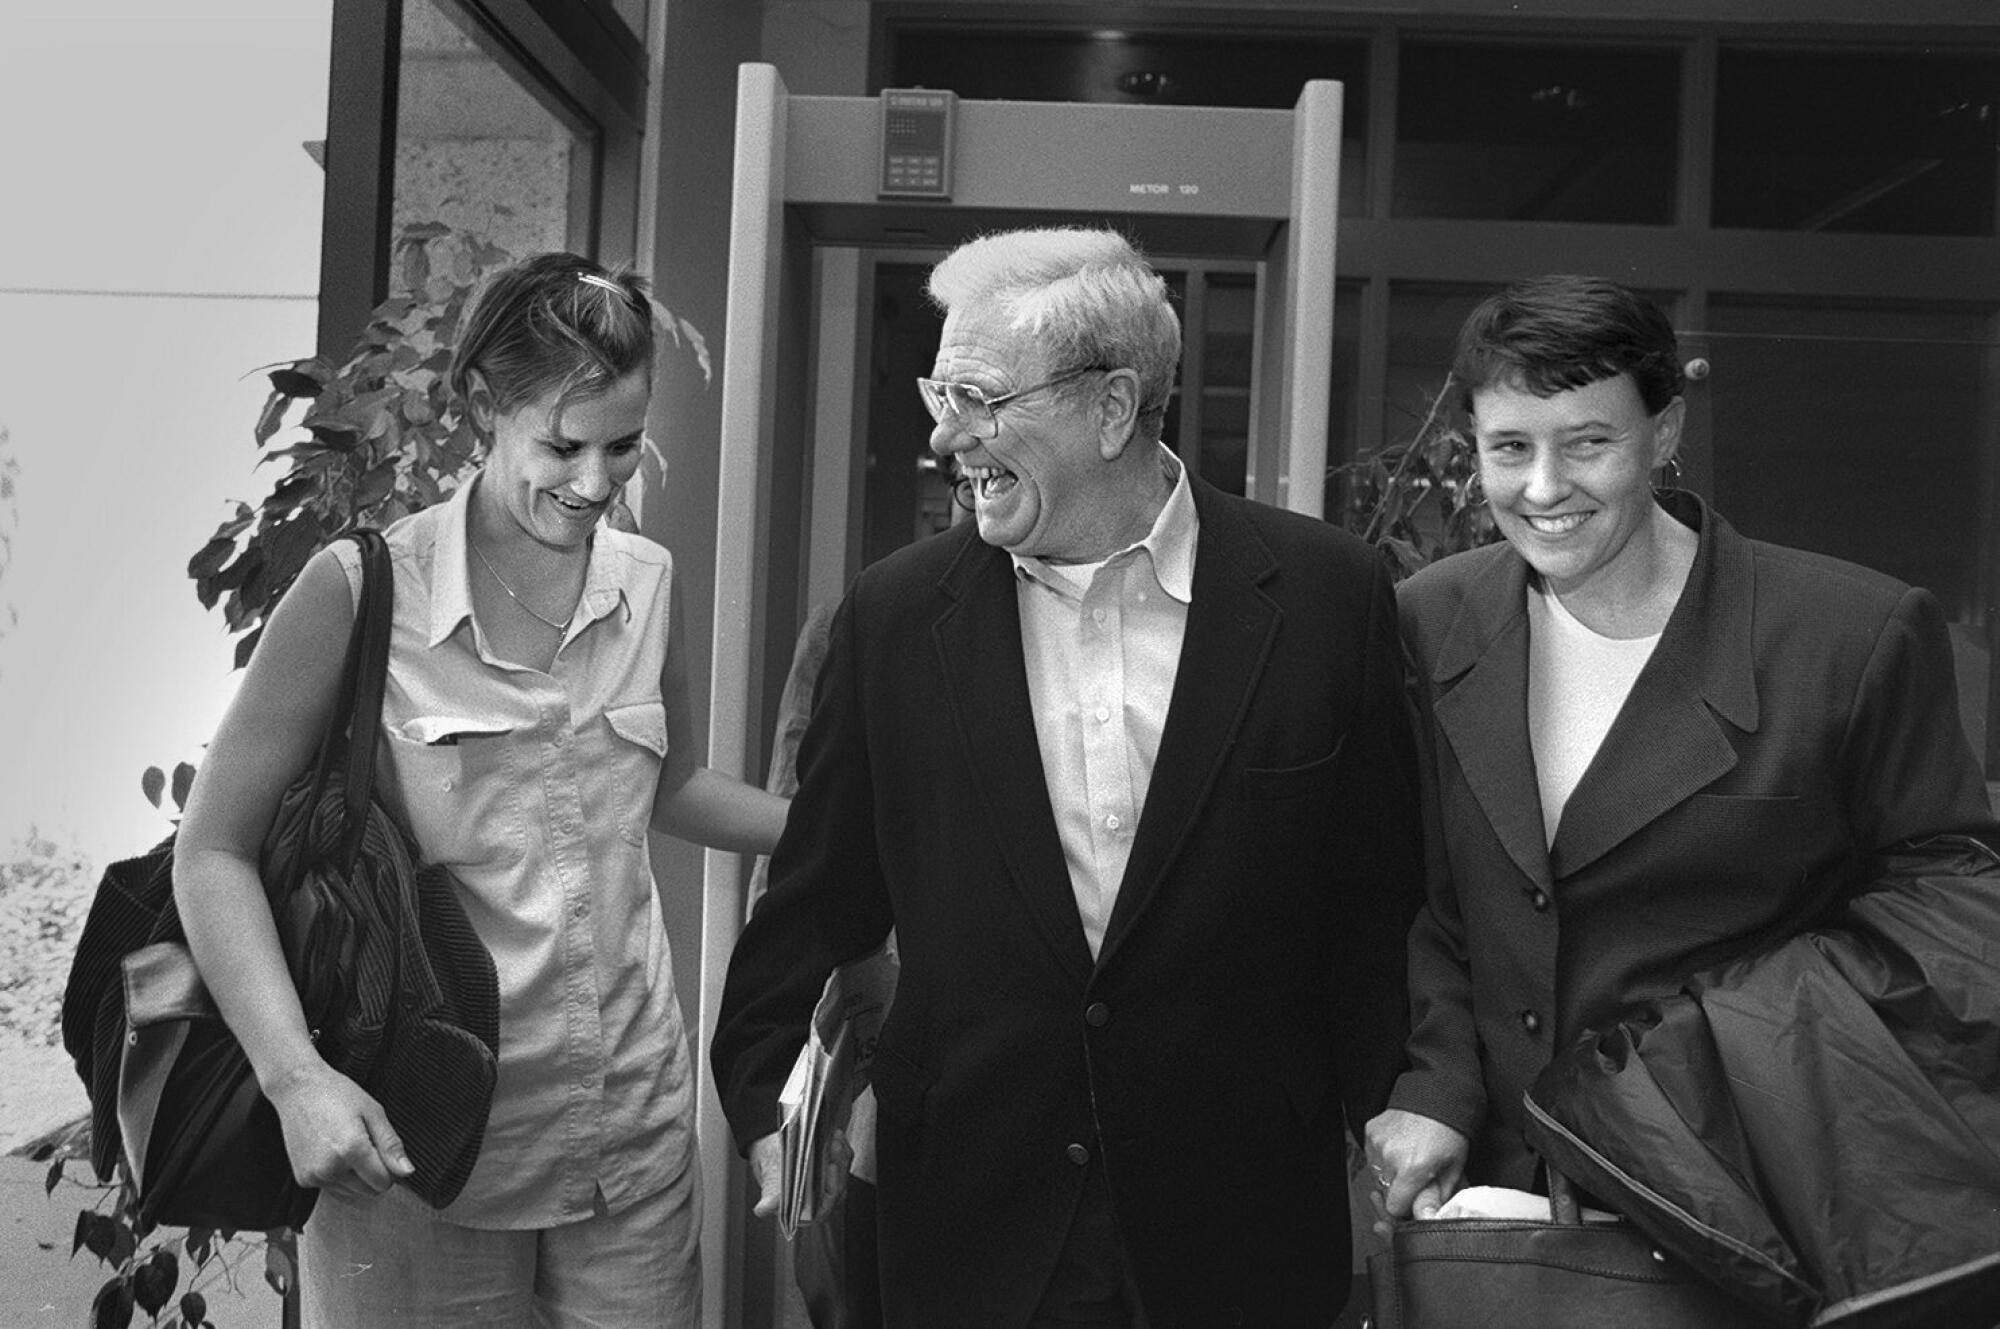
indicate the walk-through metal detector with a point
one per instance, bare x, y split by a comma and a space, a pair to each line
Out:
1256, 185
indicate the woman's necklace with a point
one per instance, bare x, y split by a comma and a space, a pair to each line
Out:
562, 627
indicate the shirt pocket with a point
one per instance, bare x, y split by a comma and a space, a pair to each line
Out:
459, 789
640, 745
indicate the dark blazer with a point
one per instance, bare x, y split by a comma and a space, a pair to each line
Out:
1249, 988
1798, 715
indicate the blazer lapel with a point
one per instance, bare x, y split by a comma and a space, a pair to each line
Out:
978, 639
1669, 739
1230, 627
1484, 713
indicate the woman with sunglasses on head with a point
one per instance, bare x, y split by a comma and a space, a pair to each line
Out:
536, 726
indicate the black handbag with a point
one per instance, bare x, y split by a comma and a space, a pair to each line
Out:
400, 993
1506, 1273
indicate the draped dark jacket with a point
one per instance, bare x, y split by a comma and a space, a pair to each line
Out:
1249, 992
1798, 715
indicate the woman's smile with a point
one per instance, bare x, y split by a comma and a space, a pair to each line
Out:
1556, 524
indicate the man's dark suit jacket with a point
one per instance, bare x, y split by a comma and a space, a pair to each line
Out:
1798, 716
1250, 985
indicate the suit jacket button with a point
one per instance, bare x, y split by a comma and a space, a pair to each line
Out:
1539, 898
1097, 1015
1078, 1154
1531, 1022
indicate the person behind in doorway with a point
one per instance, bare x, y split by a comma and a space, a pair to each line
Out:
1125, 762
1652, 745
537, 725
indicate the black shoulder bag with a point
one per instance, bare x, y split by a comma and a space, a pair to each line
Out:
399, 992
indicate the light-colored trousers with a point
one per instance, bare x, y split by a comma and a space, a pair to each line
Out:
392, 1261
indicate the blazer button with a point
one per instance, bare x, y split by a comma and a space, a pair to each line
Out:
1097, 1015
1077, 1154
1539, 898
1531, 1022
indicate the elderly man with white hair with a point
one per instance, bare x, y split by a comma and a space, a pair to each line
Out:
1125, 762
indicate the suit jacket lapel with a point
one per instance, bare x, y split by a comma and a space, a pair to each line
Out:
1484, 713
1670, 740
978, 638
1230, 627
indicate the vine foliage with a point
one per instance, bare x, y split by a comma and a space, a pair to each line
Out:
1418, 500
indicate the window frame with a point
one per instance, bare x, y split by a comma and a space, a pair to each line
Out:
579, 51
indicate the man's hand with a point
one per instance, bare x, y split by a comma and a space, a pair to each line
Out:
338, 1137
1418, 1163
767, 1165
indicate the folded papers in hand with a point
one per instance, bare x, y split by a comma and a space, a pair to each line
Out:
1502, 1202
817, 1103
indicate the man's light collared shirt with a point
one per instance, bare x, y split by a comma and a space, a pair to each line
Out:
1102, 643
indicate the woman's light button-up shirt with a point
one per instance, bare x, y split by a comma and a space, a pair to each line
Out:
536, 790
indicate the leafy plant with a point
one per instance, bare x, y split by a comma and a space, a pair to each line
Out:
383, 437
1419, 500
146, 1268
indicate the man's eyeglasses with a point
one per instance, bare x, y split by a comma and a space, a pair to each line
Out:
973, 409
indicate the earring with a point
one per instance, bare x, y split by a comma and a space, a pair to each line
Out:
1670, 474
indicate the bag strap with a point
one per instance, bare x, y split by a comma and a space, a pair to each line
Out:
371, 674
1563, 1207
355, 721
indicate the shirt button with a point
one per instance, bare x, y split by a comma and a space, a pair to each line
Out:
1112, 823
1103, 714
1097, 614
1097, 1015
1531, 1022
1077, 1154
451, 784
1539, 898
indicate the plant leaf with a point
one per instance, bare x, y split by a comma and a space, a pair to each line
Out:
194, 1309
272, 418
183, 781
299, 380
376, 485
95, 1233
152, 784
55, 1175
123, 1243
278, 1268
111, 1308
208, 560
245, 646
154, 1281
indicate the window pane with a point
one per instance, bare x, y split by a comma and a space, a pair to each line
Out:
479, 150
1580, 134
1227, 337
1857, 431
1887, 144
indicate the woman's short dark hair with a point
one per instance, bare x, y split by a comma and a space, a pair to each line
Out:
554, 322
1551, 334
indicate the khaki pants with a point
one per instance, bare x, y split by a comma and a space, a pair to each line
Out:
392, 1261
